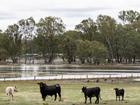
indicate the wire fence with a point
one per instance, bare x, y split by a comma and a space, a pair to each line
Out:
73, 77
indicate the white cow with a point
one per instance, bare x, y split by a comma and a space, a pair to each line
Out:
10, 91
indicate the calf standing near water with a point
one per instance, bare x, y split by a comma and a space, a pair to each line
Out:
10, 91
92, 92
119, 92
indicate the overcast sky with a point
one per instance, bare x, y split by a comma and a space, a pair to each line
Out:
72, 12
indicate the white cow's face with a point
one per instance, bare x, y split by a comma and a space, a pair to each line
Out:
15, 89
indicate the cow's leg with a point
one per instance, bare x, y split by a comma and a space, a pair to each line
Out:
122, 97
12, 96
119, 98
85, 99
59, 96
97, 100
116, 98
8, 96
43, 97
90, 100
55, 97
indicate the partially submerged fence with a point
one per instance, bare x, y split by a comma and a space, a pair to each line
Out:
76, 76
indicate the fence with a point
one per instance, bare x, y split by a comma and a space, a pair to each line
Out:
64, 77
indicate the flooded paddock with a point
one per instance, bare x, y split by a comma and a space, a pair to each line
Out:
50, 72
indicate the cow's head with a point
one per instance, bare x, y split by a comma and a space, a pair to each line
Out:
15, 89
41, 84
116, 89
84, 89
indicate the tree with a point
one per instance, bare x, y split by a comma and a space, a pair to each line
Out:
131, 29
133, 45
107, 28
82, 50
47, 31
119, 43
68, 45
99, 52
3, 44
27, 30
14, 42
88, 28
91, 51
129, 16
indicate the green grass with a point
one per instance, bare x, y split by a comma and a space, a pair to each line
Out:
29, 94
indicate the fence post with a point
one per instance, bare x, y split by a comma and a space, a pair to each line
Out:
62, 77
131, 75
87, 76
4, 79
34, 77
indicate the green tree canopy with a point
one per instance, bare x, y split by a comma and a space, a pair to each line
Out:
48, 30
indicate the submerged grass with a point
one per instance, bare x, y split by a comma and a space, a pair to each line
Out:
29, 94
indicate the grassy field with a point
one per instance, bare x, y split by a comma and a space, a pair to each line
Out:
29, 94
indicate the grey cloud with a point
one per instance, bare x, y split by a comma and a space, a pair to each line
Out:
71, 12
74, 12
5, 16
86, 9
77, 15
63, 9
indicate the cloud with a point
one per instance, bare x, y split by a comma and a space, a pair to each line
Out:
73, 12
5, 16
86, 9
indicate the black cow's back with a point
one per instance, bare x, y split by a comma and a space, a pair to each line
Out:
122, 91
92, 91
51, 90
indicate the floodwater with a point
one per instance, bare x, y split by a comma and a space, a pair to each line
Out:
29, 72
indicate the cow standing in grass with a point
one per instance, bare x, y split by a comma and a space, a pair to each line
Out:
10, 91
46, 90
119, 93
91, 92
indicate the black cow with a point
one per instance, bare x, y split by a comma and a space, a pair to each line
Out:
46, 90
91, 92
119, 92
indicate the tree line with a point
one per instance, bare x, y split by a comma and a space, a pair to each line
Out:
92, 42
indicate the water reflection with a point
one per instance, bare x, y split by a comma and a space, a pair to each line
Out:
28, 71
25, 71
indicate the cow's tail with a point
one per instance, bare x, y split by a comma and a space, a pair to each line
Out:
59, 91
100, 96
